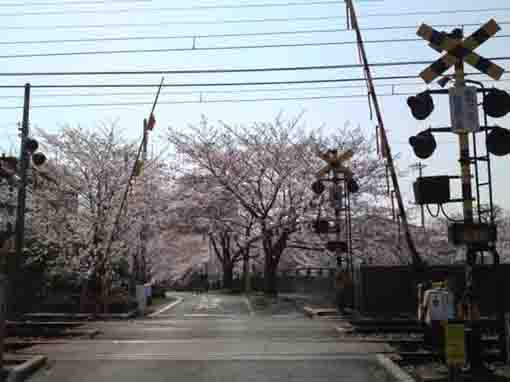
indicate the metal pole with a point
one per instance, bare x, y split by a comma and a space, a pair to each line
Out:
15, 263
416, 259
143, 233
337, 217
472, 333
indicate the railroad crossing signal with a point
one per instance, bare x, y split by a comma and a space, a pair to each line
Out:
458, 49
335, 160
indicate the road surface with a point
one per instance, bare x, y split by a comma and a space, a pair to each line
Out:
213, 337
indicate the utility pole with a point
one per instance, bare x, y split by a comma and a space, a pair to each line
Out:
16, 261
417, 261
420, 166
144, 231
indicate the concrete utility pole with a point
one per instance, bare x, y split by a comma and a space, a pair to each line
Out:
142, 274
16, 261
420, 166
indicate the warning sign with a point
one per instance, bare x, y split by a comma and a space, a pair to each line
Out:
455, 344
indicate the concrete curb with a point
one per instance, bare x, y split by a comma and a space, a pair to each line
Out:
118, 316
393, 373
23, 371
311, 312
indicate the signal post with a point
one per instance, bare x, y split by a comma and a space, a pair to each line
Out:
480, 236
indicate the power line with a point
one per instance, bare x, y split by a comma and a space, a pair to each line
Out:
169, 23
90, 2
173, 9
205, 101
247, 6
170, 37
168, 50
219, 48
120, 94
72, 105
220, 84
208, 92
220, 22
222, 71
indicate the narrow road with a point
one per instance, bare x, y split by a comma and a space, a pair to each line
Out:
213, 337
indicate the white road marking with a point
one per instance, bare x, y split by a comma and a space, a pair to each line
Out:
249, 305
207, 315
168, 307
208, 303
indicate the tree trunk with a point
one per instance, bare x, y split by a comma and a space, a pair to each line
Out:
246, 271
270, 282
228, 275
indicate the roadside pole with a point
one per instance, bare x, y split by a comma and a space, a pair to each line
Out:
143, 232
14, 263
472, 332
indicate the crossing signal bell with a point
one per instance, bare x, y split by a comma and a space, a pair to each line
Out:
421, 105
423, 144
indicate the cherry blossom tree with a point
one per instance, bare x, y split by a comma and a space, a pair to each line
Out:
76, 197
267, 169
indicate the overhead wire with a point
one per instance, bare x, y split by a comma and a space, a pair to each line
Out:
174, 9
89, 2
203, 101
221, 84
250, 5
195, 49
197, 37
228, 21
229, 91
223, 71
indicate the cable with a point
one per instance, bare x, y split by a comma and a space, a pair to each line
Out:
167, 50
246, 6
214, 84
194, 49
116, 94
36, 4
430, 212
196, 37
172, 9
447, 217
175, 22
201, 101
219, 22
279, 89
170, 37
218, 71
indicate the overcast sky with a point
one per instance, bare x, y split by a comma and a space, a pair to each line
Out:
149, 18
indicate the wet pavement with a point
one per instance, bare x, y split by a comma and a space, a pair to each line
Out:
213, 337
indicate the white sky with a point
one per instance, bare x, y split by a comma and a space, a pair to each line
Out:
332, 113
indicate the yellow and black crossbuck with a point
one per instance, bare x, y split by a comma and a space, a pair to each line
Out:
458, 49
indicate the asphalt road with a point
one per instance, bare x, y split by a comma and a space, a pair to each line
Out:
213, 338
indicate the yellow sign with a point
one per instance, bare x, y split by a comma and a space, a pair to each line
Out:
457, 49
334, 160
455, 344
